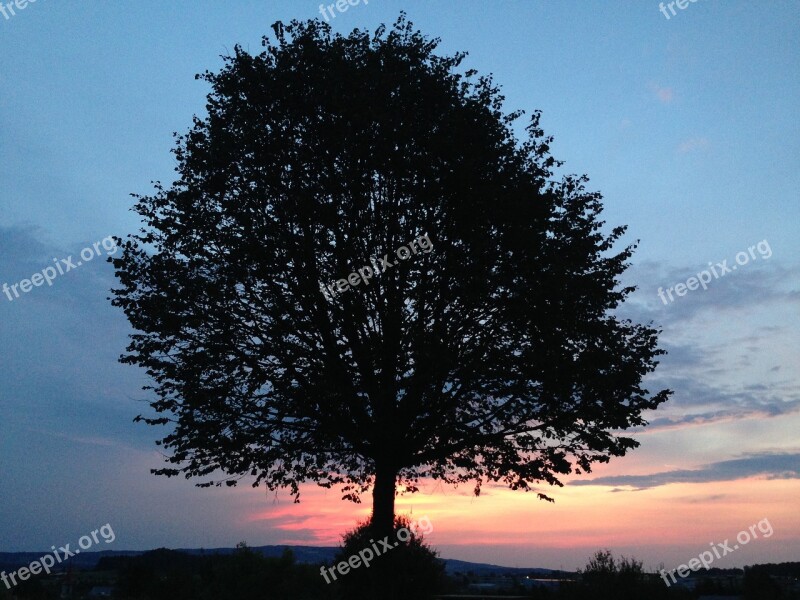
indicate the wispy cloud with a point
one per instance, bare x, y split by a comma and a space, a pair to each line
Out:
762, 283
768, 465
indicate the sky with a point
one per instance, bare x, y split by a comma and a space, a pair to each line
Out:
687, 125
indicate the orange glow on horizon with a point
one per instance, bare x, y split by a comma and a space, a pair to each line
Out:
581, 516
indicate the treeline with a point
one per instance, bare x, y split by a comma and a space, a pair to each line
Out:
787, 569
244, 575
608, 578
248, 575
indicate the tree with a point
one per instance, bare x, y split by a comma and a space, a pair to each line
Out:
489, 353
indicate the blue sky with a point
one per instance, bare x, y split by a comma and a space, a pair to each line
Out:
689, 128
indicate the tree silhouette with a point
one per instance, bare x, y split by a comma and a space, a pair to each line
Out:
412, 566
488, 353
607, 578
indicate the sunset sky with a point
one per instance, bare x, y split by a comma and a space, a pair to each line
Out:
689, 128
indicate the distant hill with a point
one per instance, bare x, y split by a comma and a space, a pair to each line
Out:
11, 561
454, 567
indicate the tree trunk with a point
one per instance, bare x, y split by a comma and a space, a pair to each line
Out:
383, 499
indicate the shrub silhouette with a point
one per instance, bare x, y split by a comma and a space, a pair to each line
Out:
758, 585
607, 578
410, 570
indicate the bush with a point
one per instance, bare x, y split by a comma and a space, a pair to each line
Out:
411, 569
607, 578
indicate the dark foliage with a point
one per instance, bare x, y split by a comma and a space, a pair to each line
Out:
244, 575
413, 567
759, 584
494, 358
786, 569
608, 578
32, 589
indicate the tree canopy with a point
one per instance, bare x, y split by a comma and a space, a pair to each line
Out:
492, 356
